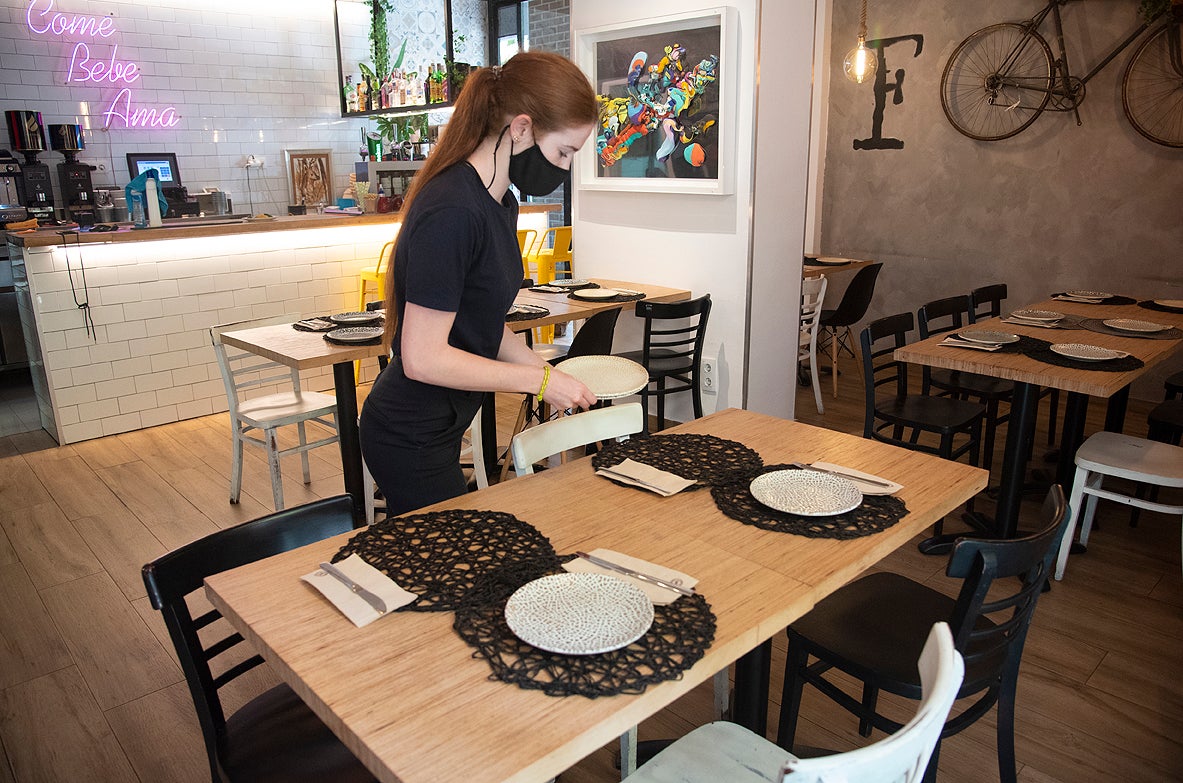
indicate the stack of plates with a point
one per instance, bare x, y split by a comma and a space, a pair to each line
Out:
987, 337
1038, 317
1131, 325
595, 294
1090, 297
357, 318
1087, 353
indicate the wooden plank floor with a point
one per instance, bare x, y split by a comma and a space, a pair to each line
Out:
91, 690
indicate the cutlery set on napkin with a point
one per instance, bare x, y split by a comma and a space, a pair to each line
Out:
953, 341
360, 591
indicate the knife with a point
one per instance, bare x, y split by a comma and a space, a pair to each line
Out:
370, 598
634, 574
850, 476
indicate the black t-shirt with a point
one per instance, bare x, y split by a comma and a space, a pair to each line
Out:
458, 252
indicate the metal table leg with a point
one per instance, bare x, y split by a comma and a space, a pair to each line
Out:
751, 689
346, 390
1014, 457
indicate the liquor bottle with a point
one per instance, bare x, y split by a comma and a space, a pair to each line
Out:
350, 94
401, 85
362, 99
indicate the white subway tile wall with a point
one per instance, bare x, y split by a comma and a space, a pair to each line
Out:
150, 360
241, 83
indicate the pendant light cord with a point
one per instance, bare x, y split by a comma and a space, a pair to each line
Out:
862, 22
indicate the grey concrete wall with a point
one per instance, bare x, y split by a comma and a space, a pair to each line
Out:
1058, 206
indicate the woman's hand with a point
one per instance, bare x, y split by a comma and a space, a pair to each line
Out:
564, 391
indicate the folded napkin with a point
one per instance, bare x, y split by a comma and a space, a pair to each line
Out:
549, 289
352, 605
852, 474
659, 595
638, 474
1082, 299
957, 343
1038, 324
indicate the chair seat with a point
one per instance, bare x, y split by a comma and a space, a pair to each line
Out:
1126, 456
876, 627
662, 362
937, 413
1168, 413
285, 407
276, 738
972, 383
716, 752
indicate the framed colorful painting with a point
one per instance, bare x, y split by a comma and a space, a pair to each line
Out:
666, 95
310, 176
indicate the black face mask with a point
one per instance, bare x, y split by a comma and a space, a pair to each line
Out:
534, 175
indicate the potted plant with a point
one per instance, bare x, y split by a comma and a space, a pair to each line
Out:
458, 70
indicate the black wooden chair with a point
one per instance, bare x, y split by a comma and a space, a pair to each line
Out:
949, 315
274, 737
874, 628
900, 418
851, 309
1174, 386
672, 352
986, 302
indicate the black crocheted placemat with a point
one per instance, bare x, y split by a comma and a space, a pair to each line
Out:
440, 555
609, 299
1098, 325
681, 633
706, 459
1150, 304
1124, 364
874, 514
335, 341
1113, 300
529, 314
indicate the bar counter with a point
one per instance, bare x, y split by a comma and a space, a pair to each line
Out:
152, 295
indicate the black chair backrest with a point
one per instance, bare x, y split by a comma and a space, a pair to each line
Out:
594, 338
997, 646
943, 315
986, 302
879, 340
856, 299
673, 343
171, 577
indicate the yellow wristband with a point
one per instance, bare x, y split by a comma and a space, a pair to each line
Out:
545, 381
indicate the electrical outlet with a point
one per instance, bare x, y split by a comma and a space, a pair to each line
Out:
709, 375
252, 162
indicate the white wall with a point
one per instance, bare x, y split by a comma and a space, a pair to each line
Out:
697, 242
245, 79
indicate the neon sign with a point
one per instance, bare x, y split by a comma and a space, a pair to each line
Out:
85, 68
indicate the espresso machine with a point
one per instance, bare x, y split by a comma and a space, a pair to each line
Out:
11, 208
74, 183
27, 135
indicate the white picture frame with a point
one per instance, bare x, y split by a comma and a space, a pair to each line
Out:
703, 34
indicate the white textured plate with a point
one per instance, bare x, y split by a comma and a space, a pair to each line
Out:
1038, 315
608, 377
1170, 302
1131, 325
565, 283
579, 614
988, 337
367, 317
1087, 353
355, 334
1098, 295
806, 492
595, 293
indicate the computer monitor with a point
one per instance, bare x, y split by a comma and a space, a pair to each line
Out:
165, 164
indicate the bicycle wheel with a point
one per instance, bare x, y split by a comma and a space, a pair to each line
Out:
1152, 88
997, 81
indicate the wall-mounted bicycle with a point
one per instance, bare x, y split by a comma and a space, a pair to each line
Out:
1000, 79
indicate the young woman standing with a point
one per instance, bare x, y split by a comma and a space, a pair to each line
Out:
456, 269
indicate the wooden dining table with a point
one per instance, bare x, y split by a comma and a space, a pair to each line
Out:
408, 697
832, 264
1029, 374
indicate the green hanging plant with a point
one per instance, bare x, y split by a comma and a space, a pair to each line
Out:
379, 36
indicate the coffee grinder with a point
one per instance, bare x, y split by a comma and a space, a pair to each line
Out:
74, 181
11, 208
26, 133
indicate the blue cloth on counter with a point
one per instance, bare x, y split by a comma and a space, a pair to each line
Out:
140, 185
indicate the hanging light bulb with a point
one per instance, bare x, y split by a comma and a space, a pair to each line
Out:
860, 62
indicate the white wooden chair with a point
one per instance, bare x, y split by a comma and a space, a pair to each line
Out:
473, 449
569, 432
727, 752
1121, 456
813, 293
241, 371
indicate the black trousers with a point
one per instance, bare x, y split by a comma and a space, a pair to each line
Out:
411, 435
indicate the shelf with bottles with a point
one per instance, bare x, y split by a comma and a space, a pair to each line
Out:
398, 92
